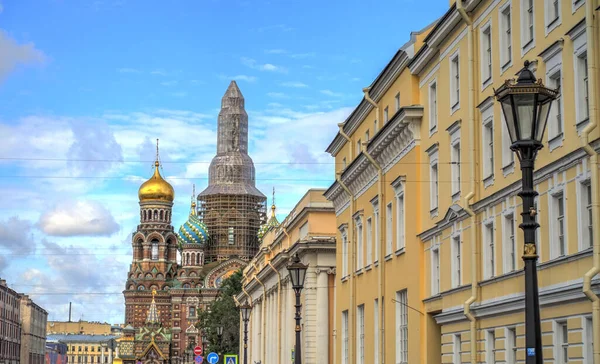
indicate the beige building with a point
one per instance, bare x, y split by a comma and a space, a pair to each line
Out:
79, 327
10, 327
309, 231
428, 244
88, 348
33, 331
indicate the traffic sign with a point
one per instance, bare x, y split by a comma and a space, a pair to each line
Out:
199, 359
198, 350
230, 359
212, 358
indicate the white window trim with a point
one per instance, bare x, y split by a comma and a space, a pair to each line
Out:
360, 334
454, 98
485, 81
490, 346
576, 4
489, 270
579, 38
397, 101
487, 117
369, 240
376, 231
588, 339
511, 351
552, 217
551, 24
526, 45
554, 66
433, 200
456, 280
345, 338
402, 327
433, 122
360, 248
389, 229
508, 156
435, 270
503, 64
582, 213
558, 345
376, 331
506, 241
454, 140
345, 254
400, 217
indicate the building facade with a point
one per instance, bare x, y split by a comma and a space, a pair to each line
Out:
33, 331
10, 325
309, 231
179, 289
90, 348
80, 327
426, 195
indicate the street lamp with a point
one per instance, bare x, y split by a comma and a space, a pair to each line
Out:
526, 106
219, 334
245, 311
297, 272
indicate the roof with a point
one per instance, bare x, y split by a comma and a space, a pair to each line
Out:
81, 338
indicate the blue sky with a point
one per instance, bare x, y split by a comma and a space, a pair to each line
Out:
87, 86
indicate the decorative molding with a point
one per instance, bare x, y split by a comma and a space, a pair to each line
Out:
455, 213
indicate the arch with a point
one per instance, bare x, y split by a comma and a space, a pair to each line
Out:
160, 276
148, 275
145, 216
167, 216
154, 249
182, 274
186, 285
140, 275
155, 217
193, 274
156, 236
131, 287
166, 287
193, 258
153, 287
141, 287
162, 215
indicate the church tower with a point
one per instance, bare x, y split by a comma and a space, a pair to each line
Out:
154, 246
231, 206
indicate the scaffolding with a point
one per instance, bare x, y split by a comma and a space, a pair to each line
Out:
232, 222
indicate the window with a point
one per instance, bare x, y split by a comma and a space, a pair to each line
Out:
558, 207
388, 228
555, 121
490, 251
454, 82
511, 345
433, 181
359, 243
397, 101
491, 347
376, 331
369, 241
400, 226
562, 340
192, 311
360, 334
432, 107
375, 129
435, 271
589, 341
344, 253
505, 36
552, 13
386, 114
457, 349
401, 327
488, 148
508, 157
344, 163
456, 261
376, 217
455, 160
510, 244
345, 337
304, 230
358, 147
231, 236
367, 136
527, 27
584, 105
154, 250
486, 55
587, 231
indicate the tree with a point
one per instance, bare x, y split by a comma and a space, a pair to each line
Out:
223, 312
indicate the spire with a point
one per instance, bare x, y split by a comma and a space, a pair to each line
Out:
273, 222
157, 162
153, 312
193, 208
233, 122
273, 203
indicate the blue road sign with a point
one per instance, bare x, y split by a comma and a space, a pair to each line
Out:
199, 359
530, 351
212, 358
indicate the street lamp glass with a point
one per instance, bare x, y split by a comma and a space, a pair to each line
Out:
245, 310
219, 330
297, 272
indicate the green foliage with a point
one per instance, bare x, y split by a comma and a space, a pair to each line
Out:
223, 312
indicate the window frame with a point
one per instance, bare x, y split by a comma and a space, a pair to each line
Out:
456, 251
400, 216
435, 270
434, 174
344, 240
360, 333
369, 240
397, 101
454, 81
505, 12
490, 346
389, 227
359, 243
490, 249
486, 54
487, 141
552, 19
509, 241
433, 107
402, 347
527, 26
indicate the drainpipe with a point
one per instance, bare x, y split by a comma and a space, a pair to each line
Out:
289, 239
352, 270
470, 196
342, 133
593, 117
278, 306
264, 318
381, 242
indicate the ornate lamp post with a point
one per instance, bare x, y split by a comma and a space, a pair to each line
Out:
526, 106
297, 272
245, 311
220, 334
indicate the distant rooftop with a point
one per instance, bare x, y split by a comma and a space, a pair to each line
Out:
78, 338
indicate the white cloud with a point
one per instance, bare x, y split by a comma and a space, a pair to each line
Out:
278, 95
303, 55
239, 78
158, 73
249, 62
14, 54
15, 235
294, 84
128, 70
78, 218
331, 93
275, 51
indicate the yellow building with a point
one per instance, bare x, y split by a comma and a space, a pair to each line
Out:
309, 231
80, 327
88, 348
429, 250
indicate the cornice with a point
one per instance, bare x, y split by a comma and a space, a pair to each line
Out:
455, 213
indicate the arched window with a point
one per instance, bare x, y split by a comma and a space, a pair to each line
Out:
141, 288
193, 258
198, 259
145, 215
155, 215
186, 286
154, 249
161, 214
167, 216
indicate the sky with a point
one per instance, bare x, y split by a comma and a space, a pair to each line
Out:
86, 87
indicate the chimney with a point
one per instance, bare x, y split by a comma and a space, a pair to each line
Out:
69, 311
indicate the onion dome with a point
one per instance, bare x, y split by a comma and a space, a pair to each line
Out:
193, 231
156, 188
272, 223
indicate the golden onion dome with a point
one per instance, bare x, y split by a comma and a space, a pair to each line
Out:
156, 188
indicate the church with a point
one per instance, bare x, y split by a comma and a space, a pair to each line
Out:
163, 295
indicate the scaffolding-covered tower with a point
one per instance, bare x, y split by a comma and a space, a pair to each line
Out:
231, 207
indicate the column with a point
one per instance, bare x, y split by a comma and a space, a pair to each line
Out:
110, 356
117, 351
322, 312
102, 354
284, 325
